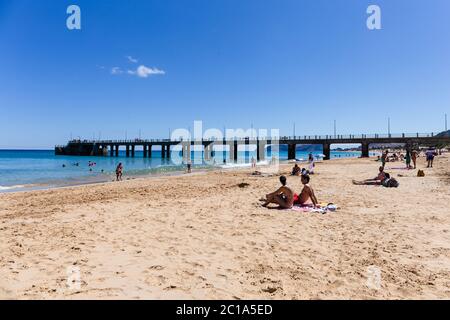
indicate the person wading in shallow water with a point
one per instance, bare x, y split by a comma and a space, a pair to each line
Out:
119, 172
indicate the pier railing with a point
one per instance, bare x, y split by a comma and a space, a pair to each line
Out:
302, 137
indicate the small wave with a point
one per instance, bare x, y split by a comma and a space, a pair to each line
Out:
11, 187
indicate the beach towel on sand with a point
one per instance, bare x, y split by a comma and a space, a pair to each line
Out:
323, 209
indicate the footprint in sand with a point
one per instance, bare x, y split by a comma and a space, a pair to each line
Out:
156, 267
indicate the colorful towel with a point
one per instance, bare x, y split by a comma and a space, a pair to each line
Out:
323, 209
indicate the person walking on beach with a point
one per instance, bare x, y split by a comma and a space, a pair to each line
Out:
430, 153
311, 163
253, 162
384, 157
283, 196
408, 159
119, 172
414, 157
189, 166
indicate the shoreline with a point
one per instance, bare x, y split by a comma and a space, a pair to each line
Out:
110, 177
100, 177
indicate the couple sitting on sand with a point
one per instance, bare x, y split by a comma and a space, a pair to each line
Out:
286, 198
296, 171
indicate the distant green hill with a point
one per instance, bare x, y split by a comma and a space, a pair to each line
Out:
444, 134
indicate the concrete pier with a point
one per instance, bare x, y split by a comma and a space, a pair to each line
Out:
101, 148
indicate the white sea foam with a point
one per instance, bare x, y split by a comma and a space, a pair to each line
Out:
2, 188
242, 165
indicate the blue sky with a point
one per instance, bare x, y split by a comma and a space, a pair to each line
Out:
225, 62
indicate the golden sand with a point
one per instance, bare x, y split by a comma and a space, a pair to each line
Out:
201, 236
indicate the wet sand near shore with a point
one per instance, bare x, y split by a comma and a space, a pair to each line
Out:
202, 236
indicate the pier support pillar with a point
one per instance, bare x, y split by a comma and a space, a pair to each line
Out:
326, 151
117, 150
163, 151
127, 150
235, 151
144, 148
149, 152
111, 150
208, 152
224, 150
291, 151
168, 151
186, 151
247, 143
260, 150
132, 150
364, 150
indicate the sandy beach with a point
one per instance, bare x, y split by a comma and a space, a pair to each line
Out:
201, 236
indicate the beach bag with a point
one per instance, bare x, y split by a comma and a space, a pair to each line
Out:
390, 183
420, 173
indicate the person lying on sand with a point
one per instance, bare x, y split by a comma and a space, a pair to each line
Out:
378, 181
284, 196
375, 181
295, 170
307, 196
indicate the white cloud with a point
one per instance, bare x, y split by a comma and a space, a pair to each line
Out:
116, 70
132, 60
144, 72
141, 71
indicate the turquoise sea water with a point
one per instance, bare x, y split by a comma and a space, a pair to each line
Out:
21, 169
